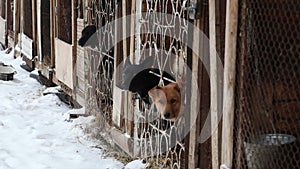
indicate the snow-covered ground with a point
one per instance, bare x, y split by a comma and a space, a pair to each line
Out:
35, 132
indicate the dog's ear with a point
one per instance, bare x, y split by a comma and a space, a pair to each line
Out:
81, 42
89, 30
176, 87
154, 93
157, 87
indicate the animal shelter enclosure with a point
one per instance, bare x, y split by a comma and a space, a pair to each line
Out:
161, 141
265, 124
135, 119
233, 67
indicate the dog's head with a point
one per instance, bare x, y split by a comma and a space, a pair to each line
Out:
88, 37
129, 71
167, 100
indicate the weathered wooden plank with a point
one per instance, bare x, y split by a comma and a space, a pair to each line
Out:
27, 46
214, 93
16, 20
2, 30
122, 141
194, 104
64, 62
80, 74
39, 30
52, 31
34, 28
132, 29
134, 59
229, 81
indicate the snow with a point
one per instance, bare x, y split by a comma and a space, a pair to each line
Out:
224, 166
35, 130
136, 164
52, 90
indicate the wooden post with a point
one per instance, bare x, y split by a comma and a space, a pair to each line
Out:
21, 18
138, 17
52, 30
6, 24
34, 29
117, 93
39, 30
132, 49
124, 22
214, 83
16, 21
125, 98
242, 80
195, 101
132, 26
74, 46
229, 81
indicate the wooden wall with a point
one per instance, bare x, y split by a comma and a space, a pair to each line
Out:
64, 62
3, 22
79, 86
2, 31
10, 21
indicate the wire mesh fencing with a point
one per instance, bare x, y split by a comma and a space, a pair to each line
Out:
99, 60
160, 141
267, 119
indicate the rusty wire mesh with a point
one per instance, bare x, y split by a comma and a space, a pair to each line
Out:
267, 120
99, 61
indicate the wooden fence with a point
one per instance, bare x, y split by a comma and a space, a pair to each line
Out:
178, 145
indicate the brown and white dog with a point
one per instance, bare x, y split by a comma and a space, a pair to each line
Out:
139, 79
167, 100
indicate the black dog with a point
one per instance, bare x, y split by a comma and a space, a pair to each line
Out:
88, 37
141, 78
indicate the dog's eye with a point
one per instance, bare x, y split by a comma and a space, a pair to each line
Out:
173, 101
161, 102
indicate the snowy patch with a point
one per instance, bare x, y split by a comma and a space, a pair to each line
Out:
35, 133
1, 47
224, 166
17, 48
56, 89
77, 111
127, 135
136, 164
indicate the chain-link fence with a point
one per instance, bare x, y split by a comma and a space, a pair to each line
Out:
267, 118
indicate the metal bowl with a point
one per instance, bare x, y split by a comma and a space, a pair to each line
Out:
273, 139
6, 72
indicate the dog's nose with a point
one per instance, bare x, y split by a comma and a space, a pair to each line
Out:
167, 115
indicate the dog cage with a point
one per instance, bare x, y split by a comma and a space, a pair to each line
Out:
161, 142
267, 118
99, 61
164, 33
